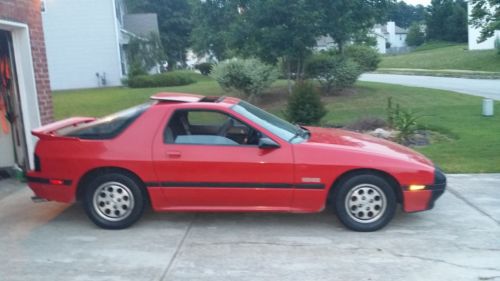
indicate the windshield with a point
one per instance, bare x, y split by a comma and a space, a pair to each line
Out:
277, 126
110, 126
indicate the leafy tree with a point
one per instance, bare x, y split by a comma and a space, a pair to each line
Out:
143, 54
277, 29
343, 19
174, 20
447, 20
404, 14
485, 14
415, 36
212, 20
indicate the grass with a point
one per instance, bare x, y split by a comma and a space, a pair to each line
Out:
472, 147
442, 56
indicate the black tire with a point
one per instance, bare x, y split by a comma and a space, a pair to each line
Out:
365, 202
117, 193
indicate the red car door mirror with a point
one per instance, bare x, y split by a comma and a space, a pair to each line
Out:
267, 143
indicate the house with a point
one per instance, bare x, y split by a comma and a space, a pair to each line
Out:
86, 41
475, 33
24, 84
395, 37
388, 37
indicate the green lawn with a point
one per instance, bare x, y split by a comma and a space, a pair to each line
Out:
474, 145
440, 56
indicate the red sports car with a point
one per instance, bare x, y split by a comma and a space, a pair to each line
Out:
183, 152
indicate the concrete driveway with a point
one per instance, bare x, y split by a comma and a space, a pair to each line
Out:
487, 88
458, 240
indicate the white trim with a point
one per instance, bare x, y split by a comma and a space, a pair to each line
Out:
26, 81
118, 34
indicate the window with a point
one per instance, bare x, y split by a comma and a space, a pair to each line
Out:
208, 127
110, 126
275, 125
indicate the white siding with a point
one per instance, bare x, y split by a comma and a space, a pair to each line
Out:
474, 34
381, 44
81, 38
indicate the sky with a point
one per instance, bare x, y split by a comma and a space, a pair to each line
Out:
416, 2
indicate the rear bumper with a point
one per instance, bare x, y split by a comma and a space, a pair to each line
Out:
60, 190
416, 201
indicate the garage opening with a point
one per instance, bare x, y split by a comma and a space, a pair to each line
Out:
13, 149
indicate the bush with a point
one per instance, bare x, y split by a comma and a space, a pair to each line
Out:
402, 120
248, 76
304, 105
333, 72
205, 68
415, 36
367, 57
160, 80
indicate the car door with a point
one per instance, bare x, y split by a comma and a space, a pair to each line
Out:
210, 160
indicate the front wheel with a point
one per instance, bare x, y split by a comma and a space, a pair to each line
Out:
365, 202
114, 201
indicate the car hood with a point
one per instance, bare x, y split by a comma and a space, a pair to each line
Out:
364, 143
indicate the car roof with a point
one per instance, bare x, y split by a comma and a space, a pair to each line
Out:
167, 97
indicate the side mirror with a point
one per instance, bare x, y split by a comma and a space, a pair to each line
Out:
267, 143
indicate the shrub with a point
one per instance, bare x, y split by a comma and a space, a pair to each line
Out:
248, 76
205, 67
304, 105
415, 36
404, 121
333, 72
160, 80
367, 57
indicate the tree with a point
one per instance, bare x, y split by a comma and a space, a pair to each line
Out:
404, 15
277, 29
143, 54
485, 15
174, 20
212, 20
343, 19
415, 36
447, 20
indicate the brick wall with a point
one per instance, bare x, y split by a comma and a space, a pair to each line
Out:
28, 12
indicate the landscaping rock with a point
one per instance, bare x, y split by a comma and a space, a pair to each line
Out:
381, 133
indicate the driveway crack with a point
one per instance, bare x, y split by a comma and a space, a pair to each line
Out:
459, 196
178, 250
443, 261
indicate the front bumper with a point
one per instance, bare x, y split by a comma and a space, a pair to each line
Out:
438, 188
421, 200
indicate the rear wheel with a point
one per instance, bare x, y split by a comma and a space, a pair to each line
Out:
114, 201
365, 202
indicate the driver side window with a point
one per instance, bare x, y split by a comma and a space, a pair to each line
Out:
207, 127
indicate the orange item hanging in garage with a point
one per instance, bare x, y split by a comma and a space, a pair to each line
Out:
5, 77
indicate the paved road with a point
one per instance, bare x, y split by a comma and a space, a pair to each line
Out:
488, 88
457, 240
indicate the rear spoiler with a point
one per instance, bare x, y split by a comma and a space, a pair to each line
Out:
48, 131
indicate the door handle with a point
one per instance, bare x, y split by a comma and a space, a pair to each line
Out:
173, 154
